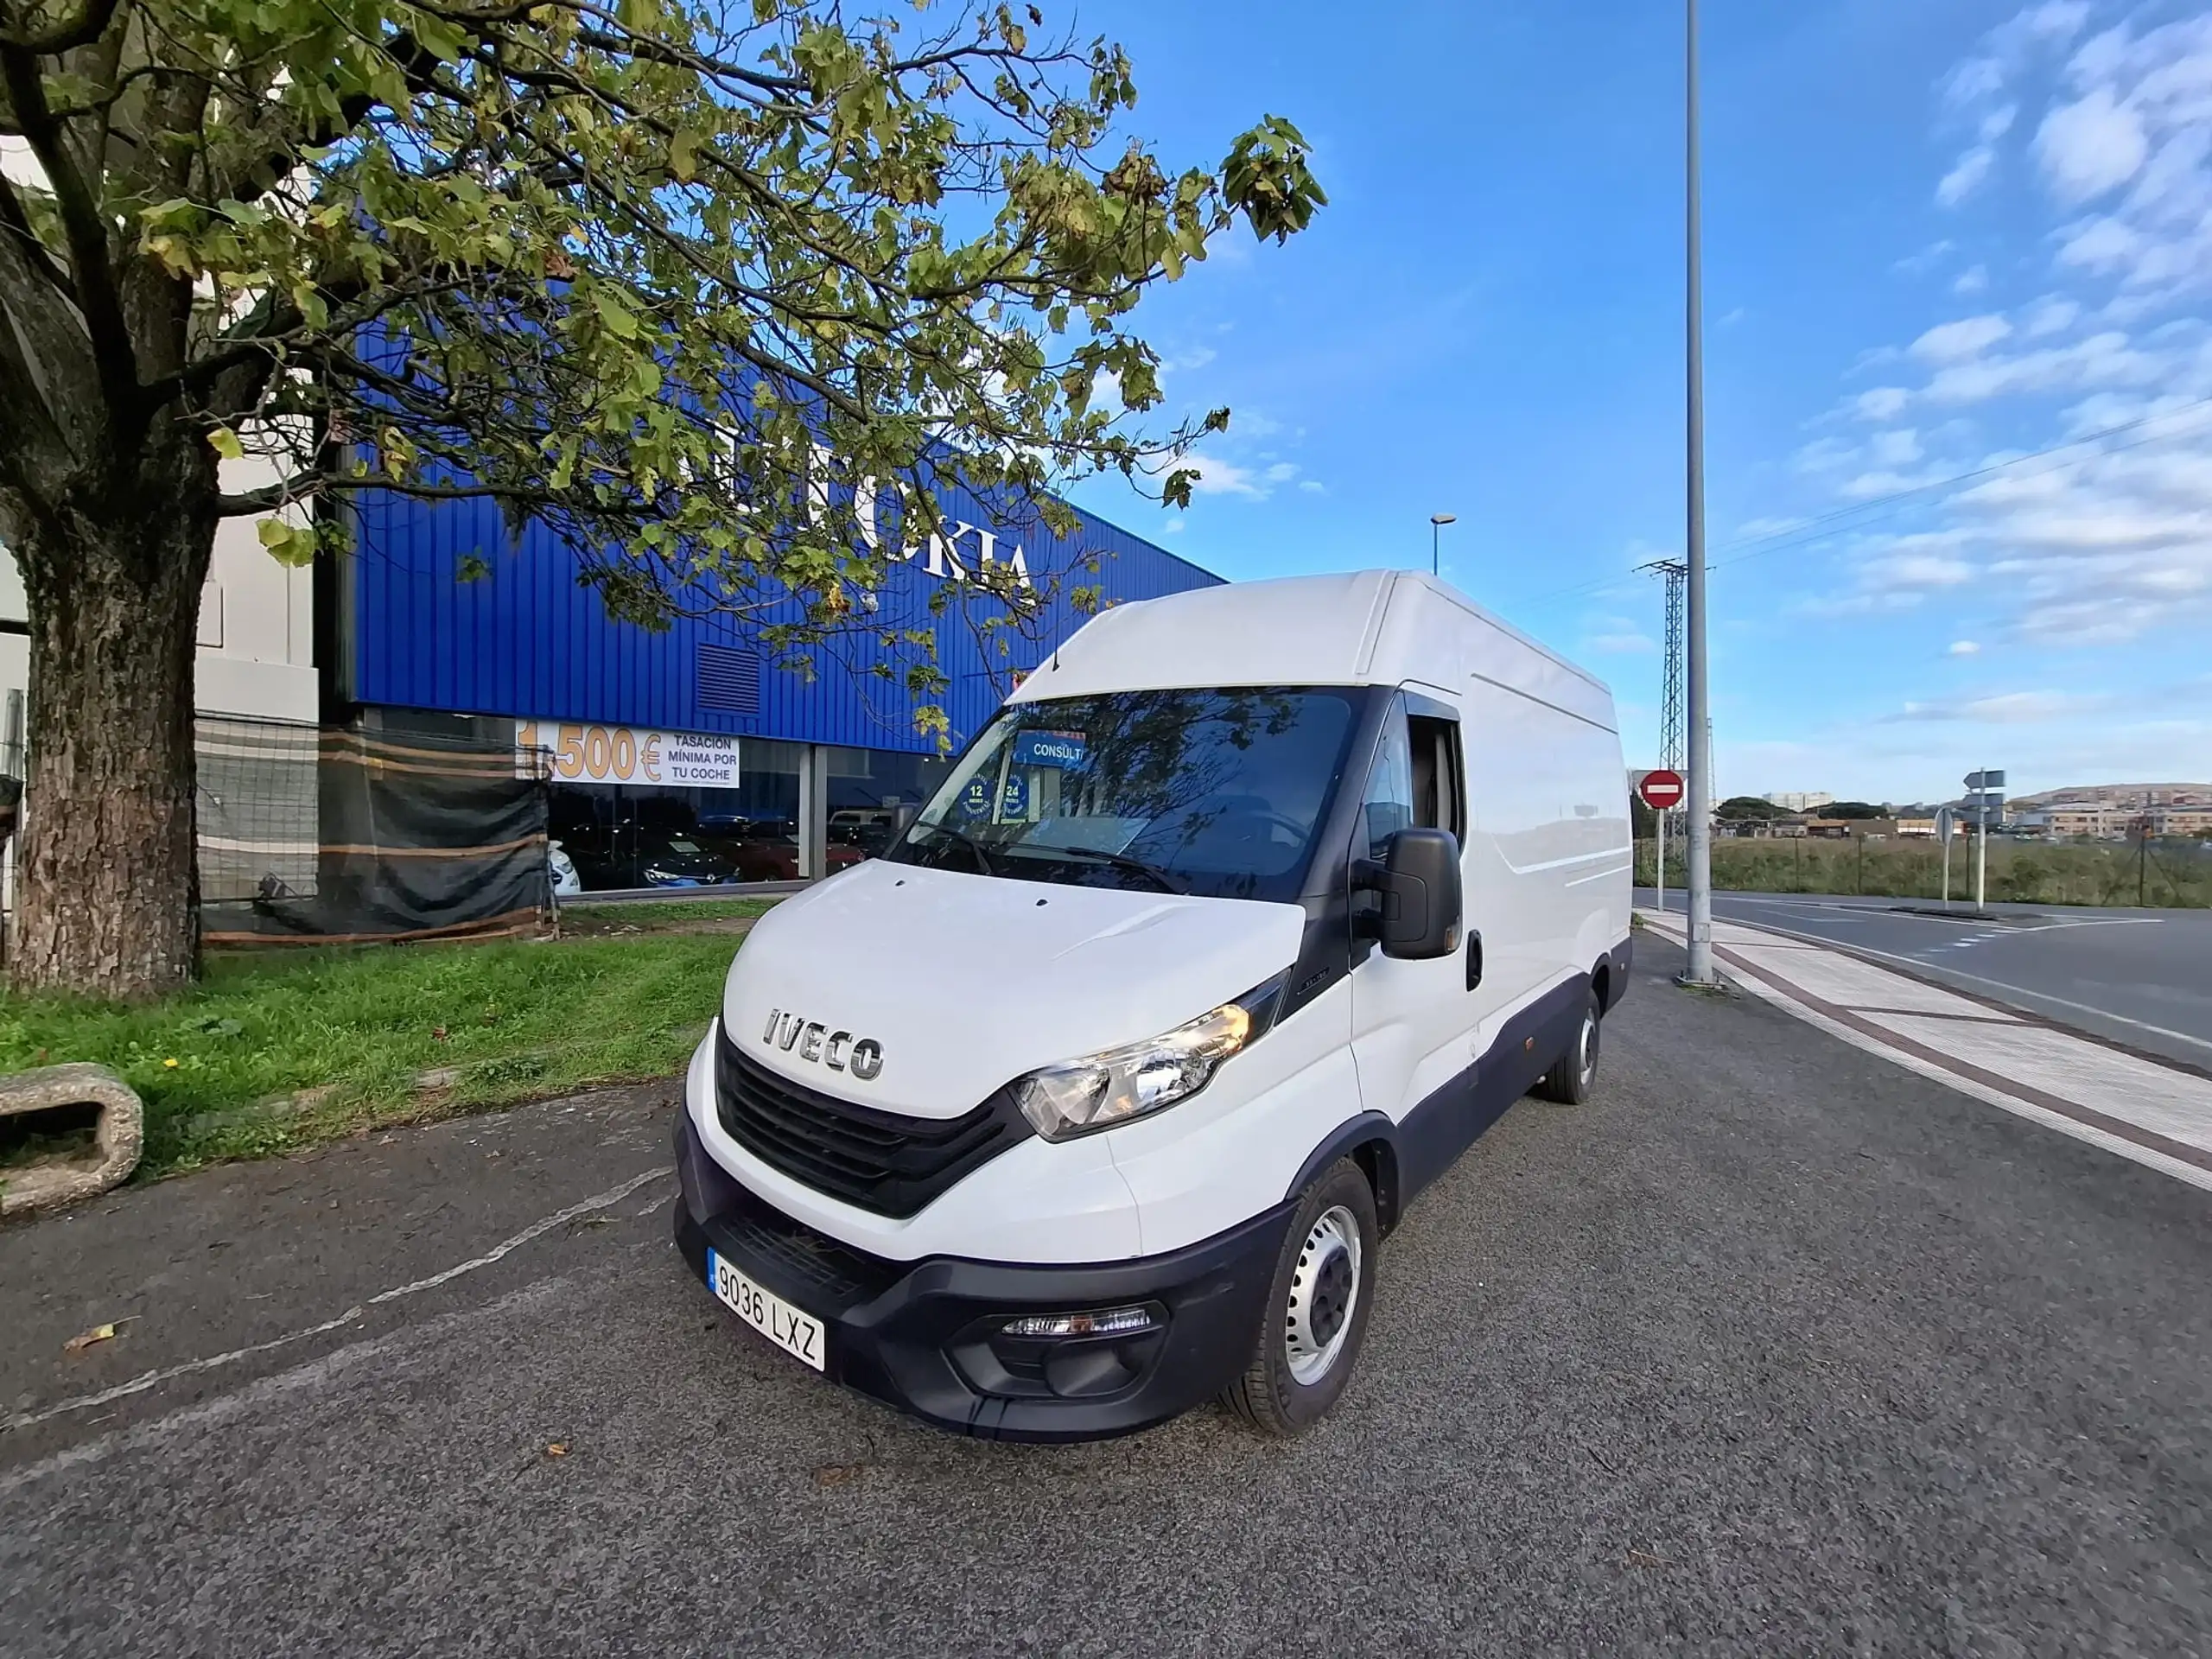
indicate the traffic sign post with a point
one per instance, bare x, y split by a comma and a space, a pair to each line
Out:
1661, 790
1981, 786
1945, 826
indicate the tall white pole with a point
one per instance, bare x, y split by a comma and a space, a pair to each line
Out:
1981, 848
1699, 879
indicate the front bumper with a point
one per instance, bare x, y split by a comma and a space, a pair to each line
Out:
926, 1336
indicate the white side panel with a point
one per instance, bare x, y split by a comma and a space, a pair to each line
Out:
1034, 1203
1231, 1151
1548, 863
1435, 634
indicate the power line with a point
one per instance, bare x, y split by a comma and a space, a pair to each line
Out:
1864, 512
1993, 468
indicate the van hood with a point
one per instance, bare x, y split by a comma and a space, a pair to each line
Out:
965, 982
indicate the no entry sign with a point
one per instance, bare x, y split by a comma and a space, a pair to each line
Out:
1661, 790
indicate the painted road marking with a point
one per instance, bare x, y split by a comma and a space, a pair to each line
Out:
2156, 1115
146, 1380
1996, 984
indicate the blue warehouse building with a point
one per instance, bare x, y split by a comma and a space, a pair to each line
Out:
696, 753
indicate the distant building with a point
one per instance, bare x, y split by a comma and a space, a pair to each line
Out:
1800, 801
2121, 798
2181, 821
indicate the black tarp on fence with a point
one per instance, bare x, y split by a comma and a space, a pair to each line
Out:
336, 836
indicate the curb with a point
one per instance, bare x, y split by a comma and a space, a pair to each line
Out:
120, 1134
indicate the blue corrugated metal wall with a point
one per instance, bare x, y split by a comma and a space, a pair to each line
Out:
526, 640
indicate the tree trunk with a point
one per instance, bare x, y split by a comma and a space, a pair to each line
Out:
107, 871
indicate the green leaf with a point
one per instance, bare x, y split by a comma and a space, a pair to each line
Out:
290, 544
613, 315
225, 443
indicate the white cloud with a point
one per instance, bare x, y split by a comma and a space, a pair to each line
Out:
1967, 176
1903, 571
1617, 636
1171, 527
1900, 448
2094, 545
2052, 314
1214, 477
2005, 709
2091, 146
1312, 486
1953, 342
1929, 256
1255, 482
2102, 360
1974, 279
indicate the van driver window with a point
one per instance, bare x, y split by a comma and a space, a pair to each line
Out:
1389, 800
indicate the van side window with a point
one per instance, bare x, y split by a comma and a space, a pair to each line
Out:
1389, 800
1439, 791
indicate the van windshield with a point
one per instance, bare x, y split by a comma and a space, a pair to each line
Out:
1211, 793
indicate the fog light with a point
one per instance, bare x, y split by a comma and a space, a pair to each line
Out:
1118, 1322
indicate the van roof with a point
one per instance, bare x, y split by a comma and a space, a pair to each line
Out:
1369, 627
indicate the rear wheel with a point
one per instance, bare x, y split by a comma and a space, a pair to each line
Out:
1316, 1314
1570, 1080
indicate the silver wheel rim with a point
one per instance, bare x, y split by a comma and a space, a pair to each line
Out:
1323, 1295
1586, 1048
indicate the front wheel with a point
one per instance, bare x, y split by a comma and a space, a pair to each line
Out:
1571, 1079
1316, 1314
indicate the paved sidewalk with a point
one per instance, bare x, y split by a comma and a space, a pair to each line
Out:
2156, 1114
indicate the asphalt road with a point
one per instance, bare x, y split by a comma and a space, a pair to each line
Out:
1772, 1347
2139, 977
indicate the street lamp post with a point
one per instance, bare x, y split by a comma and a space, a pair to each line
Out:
1436, 523
1699, 921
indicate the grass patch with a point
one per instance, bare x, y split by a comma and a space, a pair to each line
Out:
581, 917
219, 1068
2173, 873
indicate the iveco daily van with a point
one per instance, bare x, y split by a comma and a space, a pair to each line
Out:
1094, 1096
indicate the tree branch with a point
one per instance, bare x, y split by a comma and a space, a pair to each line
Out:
83, 29
92, 279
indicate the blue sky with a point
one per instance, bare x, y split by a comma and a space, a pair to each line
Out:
1940, 238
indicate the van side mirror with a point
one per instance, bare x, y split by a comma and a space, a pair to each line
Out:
1419, 882
903, 816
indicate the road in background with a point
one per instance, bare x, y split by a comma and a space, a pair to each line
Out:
2139, 977
1773, 1347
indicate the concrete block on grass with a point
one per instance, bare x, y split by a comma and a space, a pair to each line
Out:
71, 1092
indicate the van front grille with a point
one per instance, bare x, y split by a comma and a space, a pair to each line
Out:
880, 1161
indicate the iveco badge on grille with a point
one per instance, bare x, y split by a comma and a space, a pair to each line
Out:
812, 1040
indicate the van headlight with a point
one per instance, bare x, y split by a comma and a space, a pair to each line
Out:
1098, 1090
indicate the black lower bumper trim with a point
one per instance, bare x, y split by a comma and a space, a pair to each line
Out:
926, 1337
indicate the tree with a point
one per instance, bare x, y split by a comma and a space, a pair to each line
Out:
631, 266
1853, 809
1744, 807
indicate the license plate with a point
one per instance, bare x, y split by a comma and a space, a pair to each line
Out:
766, 1311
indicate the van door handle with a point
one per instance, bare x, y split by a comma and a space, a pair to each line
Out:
1474, 959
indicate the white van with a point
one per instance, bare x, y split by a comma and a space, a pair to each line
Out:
1094, 1099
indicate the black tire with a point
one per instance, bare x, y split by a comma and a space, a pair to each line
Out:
1575, 1072
1271, 1396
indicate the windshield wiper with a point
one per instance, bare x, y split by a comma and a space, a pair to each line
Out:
1135, 866
982, 854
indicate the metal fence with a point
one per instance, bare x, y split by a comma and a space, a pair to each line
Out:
321, 835
259, 807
